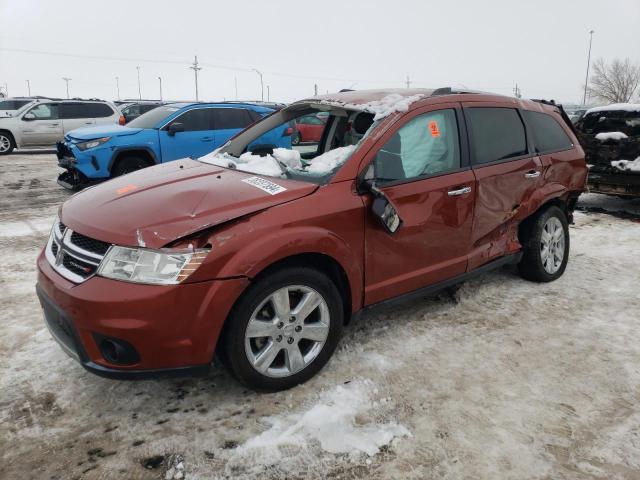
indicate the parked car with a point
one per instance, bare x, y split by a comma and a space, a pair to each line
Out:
309, 128
610, 136
47, 121
262, 254
166, 133
131, 111
10, 106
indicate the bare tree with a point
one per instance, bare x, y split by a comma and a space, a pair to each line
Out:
615, 82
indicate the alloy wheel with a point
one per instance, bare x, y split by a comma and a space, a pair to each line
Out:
287, 331
552, 245
5, 143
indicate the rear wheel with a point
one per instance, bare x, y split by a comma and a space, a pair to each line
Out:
296, 139
129, 164
7, 143
546, 246
284, 329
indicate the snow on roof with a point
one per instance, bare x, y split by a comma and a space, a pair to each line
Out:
603, 136
627, 165
625, 107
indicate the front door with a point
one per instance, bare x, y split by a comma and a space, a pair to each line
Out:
41, 126
423, 169
507, 176
197, 139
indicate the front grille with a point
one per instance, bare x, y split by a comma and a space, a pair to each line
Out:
89, 244
74, 256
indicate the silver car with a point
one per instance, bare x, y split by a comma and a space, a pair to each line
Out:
48, 121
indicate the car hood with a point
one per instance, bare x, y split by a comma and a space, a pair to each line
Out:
157, 205
99, 131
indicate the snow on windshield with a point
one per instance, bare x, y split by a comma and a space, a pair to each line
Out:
384, 107
281, 160
625, 107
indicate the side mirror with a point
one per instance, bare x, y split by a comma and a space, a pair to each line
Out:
383, 208
29, 116
175, 128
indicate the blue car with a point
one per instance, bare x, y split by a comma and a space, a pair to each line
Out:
169, 132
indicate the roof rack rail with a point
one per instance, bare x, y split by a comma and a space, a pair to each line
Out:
451, 91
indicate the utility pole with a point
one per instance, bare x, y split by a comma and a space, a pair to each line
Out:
516, 92
196, 69
268, 93
6, 89
261, 84
118, 86
66, 79
28, 88
139, 89
586, 80
408, 82
315, 89
160, 80
235, 82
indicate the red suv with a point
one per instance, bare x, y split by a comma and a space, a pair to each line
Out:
261, 254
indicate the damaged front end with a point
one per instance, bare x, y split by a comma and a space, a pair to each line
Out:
71, 178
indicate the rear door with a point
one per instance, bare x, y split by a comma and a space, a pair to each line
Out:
422, 166
197, 139
75, 115
229, 121
101, 113
45, 128
507, 175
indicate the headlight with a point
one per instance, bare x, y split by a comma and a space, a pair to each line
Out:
92, 143
158, 267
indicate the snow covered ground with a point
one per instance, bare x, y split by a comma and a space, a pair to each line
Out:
506, 380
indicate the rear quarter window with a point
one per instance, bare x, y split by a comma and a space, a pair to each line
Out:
231, 118
496, 134
548, 135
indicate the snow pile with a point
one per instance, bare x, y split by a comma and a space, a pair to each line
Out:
627, 165
247, 162
625, 107
325, 163
384, 107
291, 158
603, 136
337, 422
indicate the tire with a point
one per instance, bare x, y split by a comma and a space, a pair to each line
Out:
129, 164
254, 331
546, 246
296, 139
7, 143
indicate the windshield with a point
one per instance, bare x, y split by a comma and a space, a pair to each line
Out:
151, 118
308, 142
13, 104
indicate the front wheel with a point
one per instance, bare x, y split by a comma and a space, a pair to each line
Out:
6, 143
283, 329
545, 246
296, 139
128, 164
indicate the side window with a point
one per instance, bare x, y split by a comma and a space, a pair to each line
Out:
426, 145
194, 120
496, 134
548, 135
98, 110
45, 111
228, 118
73, 110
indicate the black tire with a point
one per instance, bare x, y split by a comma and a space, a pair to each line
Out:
532, 266
129, 164
232, 345
296, 139
6, 139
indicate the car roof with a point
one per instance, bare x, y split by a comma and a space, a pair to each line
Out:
251, 106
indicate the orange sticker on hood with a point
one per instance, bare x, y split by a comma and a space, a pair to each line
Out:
126, 188
435, 130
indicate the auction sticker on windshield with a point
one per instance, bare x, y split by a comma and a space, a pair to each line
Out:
265, 185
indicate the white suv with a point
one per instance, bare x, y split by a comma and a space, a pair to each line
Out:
48, 121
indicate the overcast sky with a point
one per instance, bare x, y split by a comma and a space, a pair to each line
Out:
489, 45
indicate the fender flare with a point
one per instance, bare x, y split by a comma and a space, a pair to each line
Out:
119, 150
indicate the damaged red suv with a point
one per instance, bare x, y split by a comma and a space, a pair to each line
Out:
261, 254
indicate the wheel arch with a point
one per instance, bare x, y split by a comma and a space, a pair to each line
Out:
120, 153
11, 135
564, 202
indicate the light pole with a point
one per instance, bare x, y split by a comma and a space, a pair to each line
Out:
196, 69
118, 86
160, 80
235, 82
67, 80
268, 93
28, 88
261, 84
586, 80
139, 89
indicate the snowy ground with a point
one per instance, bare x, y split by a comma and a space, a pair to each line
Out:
512, 380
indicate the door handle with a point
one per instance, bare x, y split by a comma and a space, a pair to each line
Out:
88, 123
532, 174
54, 125
459, 191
